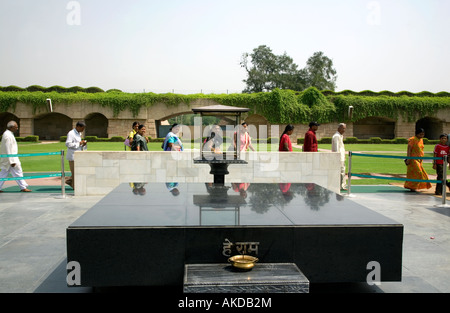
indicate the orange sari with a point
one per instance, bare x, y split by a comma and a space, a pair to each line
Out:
415, 169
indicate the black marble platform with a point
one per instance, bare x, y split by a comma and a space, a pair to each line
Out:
144, 235
263, 278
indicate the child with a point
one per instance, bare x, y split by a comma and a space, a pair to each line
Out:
440, 150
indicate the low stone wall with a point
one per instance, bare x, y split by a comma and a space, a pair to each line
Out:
99, 172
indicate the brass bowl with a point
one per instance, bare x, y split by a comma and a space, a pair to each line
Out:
243, 262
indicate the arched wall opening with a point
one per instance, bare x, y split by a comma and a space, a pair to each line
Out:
52, 126
6, 117
96, 125
433, 127
369, 127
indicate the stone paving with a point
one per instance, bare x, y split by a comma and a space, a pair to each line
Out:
33, 248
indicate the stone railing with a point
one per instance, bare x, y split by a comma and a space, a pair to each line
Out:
99, 172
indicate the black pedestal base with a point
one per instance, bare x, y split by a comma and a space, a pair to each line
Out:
146, 240
219, 170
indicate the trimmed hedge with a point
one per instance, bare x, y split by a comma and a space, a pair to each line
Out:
28, 139
278, 106
112, 139
60, 89
373, 140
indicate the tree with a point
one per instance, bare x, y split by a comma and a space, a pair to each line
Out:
320, 72
267, 71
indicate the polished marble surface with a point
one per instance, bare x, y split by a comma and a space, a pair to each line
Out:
240, 204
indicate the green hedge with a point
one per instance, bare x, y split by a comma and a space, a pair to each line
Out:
28, 139
96, 139
371, 93
278, 106
112, 139
373, 140
60, 89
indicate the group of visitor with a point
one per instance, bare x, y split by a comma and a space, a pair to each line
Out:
137, 141
310, 144
10, 163
414, 164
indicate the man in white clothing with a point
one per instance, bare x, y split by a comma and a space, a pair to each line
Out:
11, 164
337, 145
74, 143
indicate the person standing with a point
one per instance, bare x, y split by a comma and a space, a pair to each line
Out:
139, 140
74, 143
440, 150
245, 140
285, 140
131, 136
415, 168
310, 144
337, 145
11, 164
172, 141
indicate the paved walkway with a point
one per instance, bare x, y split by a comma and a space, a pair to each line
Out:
33, 247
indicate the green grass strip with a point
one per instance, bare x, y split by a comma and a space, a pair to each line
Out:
396, 156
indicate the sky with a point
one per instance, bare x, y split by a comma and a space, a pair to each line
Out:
192, 46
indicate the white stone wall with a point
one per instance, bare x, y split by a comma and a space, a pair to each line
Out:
99, 172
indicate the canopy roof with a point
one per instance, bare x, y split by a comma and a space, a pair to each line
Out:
220, 109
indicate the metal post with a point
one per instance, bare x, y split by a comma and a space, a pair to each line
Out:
349, 185
444, 180
444, 184
238, 137
63, 175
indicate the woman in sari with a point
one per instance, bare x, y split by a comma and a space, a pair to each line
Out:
139, 141
415, 169
172, 141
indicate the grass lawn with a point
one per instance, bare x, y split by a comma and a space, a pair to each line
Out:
372, 165
360, 165
401, 148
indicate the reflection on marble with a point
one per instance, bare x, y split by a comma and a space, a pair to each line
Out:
199, 204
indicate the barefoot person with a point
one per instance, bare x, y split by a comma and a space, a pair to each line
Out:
74, 143
11, 164
415, 168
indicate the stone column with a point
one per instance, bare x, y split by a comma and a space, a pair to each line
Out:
151, 128
404, 129
26, 127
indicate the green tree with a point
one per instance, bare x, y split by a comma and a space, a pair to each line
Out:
320, 72
267, 71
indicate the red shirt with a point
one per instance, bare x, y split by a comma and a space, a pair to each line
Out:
285, 138
310, 144
441, 151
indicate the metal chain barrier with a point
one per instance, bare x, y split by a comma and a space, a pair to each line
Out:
62, 174
443, 181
